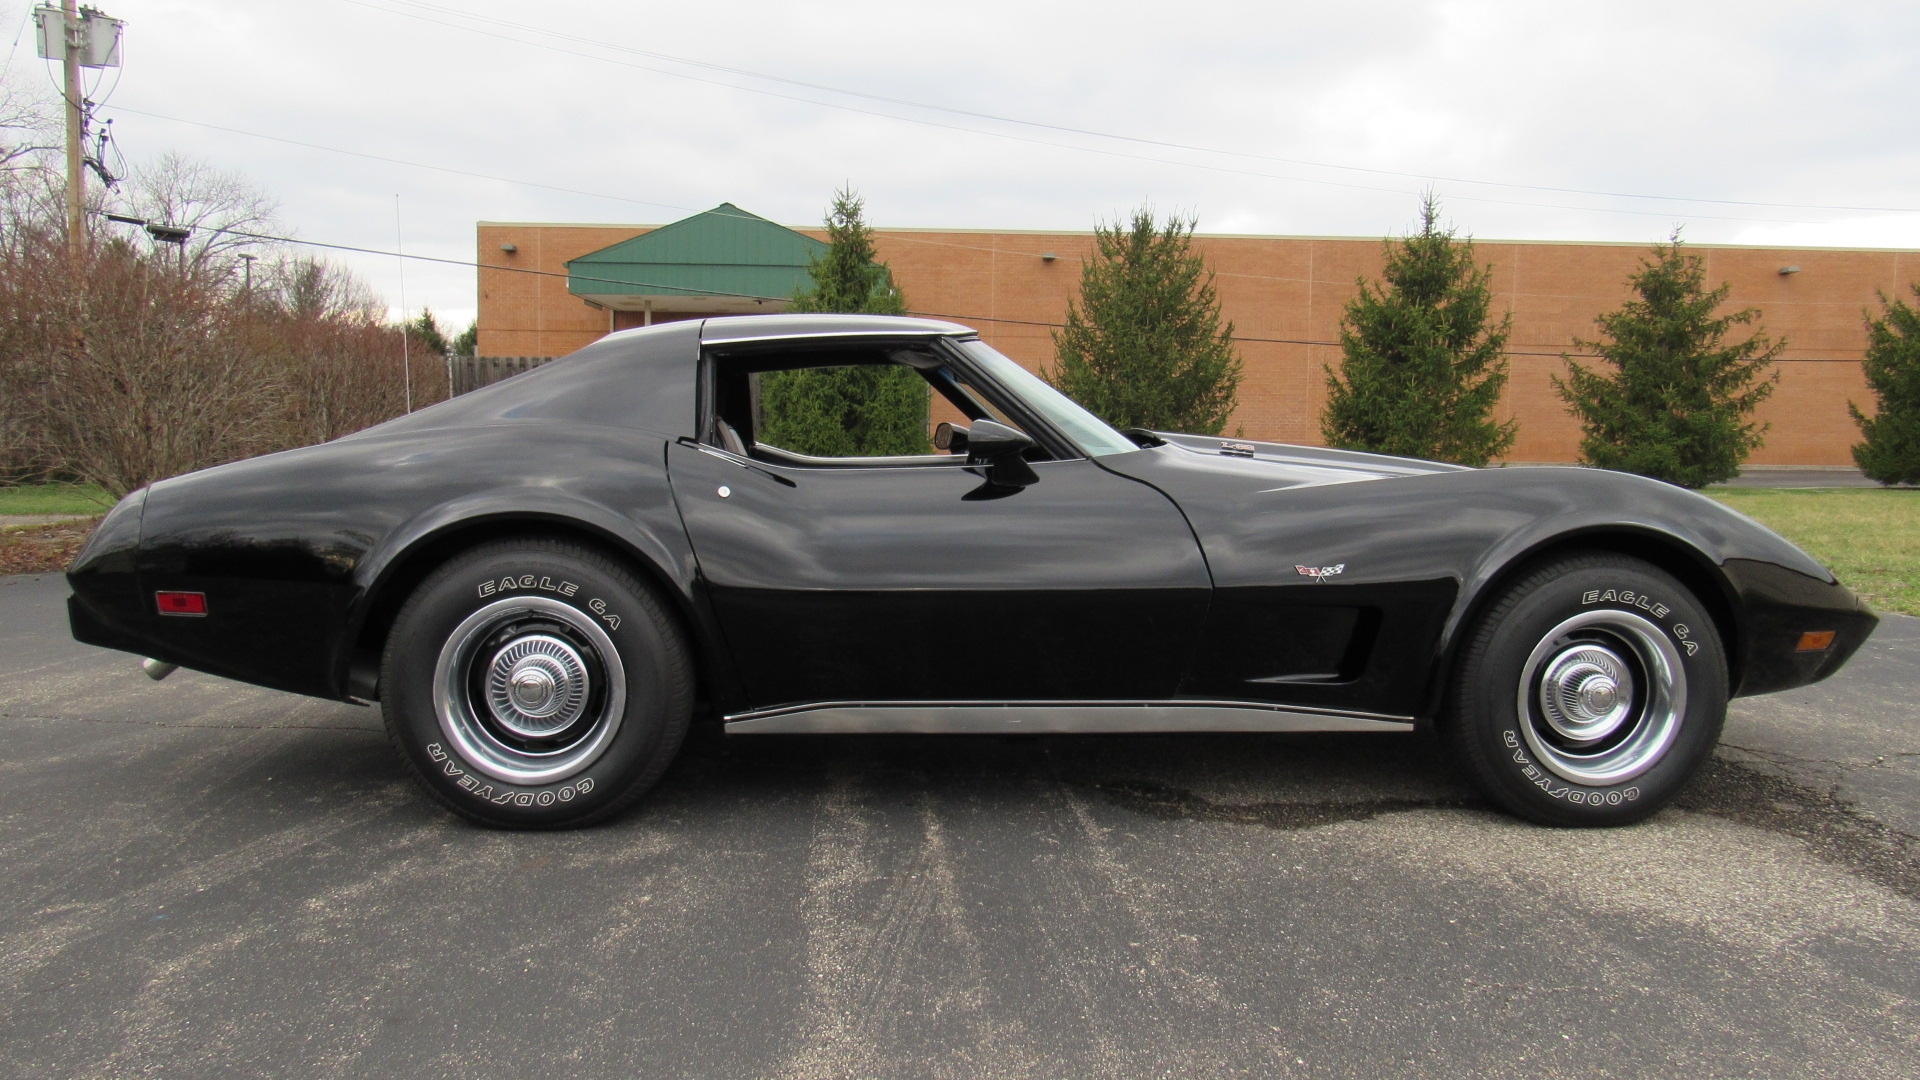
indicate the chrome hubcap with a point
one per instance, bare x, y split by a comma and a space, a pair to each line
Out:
536, 686
1587, 693
1601, 697
530, 690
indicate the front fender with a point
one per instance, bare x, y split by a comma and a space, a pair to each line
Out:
1769, 589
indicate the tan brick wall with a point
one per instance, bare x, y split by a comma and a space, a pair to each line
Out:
1290, 291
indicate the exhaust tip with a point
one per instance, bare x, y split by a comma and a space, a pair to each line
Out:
157, 669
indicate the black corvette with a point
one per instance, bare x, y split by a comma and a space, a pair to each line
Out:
539, 580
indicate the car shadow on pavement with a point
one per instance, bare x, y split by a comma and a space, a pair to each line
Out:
1265, 781
1270, 781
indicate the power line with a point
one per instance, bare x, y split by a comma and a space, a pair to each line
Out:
1015, 138
892, 234
399, 161
1061, 128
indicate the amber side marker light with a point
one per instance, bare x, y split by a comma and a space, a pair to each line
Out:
181, 603
1815, 641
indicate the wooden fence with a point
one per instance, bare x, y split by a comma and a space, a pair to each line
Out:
466, 373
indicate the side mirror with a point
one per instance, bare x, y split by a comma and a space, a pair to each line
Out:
999, 447
988, 442
950, 437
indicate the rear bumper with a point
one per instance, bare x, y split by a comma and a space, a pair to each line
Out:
106, 608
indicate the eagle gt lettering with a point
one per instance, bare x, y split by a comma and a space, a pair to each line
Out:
1320, 573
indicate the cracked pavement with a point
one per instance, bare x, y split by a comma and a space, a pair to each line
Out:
199, 878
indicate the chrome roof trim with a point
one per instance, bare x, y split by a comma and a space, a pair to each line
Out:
771, 327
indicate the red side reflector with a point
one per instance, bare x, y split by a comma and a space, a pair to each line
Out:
1815, 641
181, 603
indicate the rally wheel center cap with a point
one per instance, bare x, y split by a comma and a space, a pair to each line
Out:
538, 686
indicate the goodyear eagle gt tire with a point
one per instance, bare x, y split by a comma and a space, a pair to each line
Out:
1589, 692
535, 683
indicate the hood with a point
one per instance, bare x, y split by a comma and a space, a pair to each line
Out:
1279, 465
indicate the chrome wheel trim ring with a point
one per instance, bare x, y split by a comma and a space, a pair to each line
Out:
1601, 697
460, 714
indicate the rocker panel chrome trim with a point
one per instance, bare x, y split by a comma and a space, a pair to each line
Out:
1048, 718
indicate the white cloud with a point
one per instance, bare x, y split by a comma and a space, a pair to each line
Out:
1768, 102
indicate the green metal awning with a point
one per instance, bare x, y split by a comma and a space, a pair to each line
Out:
723, 260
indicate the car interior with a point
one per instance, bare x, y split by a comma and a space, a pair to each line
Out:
743, 380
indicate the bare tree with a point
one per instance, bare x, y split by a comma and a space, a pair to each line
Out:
141, 374
29, 123
149, 361
310, 288
224, 211
341, 362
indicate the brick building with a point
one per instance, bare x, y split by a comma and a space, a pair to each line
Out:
547, 289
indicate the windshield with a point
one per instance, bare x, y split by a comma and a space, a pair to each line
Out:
1088, 431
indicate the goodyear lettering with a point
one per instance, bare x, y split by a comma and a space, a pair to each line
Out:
526, 798
1578, 796
509, 797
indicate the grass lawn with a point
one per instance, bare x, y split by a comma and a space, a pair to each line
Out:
54, 499
1870, 538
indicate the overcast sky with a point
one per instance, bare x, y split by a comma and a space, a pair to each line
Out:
1789, 123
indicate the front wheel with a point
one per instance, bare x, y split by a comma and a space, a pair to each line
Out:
1589, 692
535, 683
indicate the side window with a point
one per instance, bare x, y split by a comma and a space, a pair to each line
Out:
842, 404
843, 410
825, 403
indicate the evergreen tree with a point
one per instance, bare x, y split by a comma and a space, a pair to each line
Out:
851, 411
848, 279
1891, 451
1144, 346
1671, 396
426, 330
1421, 369
468, 343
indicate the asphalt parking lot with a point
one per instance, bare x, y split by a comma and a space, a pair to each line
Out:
203, 879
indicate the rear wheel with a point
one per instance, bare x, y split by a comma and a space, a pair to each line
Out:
535, 683
1589, 692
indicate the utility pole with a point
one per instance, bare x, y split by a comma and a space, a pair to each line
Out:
78, 37
74, 38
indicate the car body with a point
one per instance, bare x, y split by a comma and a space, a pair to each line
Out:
1180, 583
